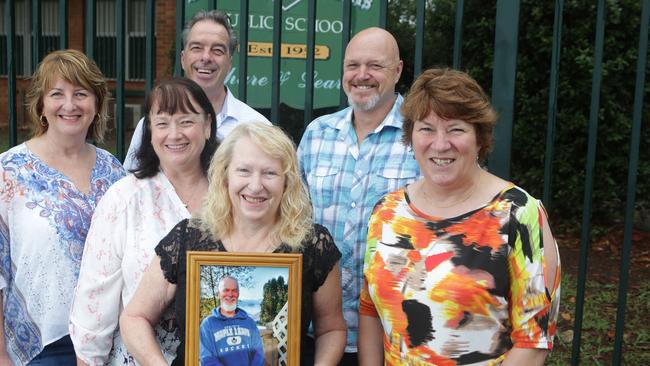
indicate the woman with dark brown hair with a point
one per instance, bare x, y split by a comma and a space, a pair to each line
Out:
167, 187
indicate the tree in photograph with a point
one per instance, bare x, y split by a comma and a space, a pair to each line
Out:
275, 295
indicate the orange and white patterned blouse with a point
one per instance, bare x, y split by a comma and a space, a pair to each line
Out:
462, 290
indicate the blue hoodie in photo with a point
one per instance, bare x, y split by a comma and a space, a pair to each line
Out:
230, 341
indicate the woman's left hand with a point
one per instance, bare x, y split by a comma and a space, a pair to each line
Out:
329, 325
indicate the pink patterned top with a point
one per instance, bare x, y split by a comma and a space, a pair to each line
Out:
126, 227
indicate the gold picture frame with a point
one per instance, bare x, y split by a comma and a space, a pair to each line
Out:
203, 274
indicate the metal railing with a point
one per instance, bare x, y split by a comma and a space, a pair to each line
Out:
503, 97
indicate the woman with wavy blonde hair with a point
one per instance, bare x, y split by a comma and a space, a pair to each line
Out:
256, 202
295, 216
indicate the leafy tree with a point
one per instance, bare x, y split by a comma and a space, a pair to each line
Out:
574, 97
275, 295
206, 306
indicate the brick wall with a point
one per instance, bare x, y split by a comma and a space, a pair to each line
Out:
76, 17
165, 32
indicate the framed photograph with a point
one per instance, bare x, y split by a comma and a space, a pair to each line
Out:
243, 309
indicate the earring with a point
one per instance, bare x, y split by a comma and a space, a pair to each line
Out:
43, 122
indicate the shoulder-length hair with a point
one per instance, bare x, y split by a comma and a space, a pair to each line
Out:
450, 94
172, 96
295, 222
77, 69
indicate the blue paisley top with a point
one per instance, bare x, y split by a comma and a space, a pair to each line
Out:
44, 220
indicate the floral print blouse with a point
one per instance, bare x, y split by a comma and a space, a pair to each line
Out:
133, 217
44, 220
461, 290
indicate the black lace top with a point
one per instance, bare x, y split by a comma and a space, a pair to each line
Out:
319, 257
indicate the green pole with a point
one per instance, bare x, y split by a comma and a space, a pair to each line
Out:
150, 45
552, 103
275, 63
419, 38
345, 39
36, 33
120, 16
10, 16
631, 183
63, 24
503, 83
383, 13
589, 180
243, 50
91, 29
180, 21
458, 33
309, 77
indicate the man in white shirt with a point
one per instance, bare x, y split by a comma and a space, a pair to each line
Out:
209, 42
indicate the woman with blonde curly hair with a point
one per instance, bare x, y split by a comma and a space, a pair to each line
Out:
49, 188
256, 202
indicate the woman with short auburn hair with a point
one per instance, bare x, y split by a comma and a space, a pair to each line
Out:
74, 67
461, 267
49, 189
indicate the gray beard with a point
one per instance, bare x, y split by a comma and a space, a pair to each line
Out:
370, 104
229, 307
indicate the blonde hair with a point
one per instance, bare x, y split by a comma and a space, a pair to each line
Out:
295, 223
77, 69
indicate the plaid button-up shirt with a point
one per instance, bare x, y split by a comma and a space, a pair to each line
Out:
346, 179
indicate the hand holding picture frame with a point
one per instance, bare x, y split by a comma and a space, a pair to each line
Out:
239, 304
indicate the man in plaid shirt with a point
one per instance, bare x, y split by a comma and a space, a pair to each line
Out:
351, 158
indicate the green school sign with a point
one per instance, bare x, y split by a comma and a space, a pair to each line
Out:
328, 52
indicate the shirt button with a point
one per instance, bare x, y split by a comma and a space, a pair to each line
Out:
353, 205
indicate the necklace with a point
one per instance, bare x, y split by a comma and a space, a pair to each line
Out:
185, 202
462, 200
188, 201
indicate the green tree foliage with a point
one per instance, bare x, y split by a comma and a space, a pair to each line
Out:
532, 93
206, 305
574, 98
275, 295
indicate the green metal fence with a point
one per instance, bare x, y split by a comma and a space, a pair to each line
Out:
503, 94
